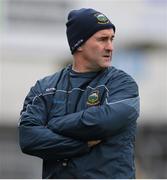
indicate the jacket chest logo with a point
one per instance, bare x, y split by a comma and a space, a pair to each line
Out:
93, 98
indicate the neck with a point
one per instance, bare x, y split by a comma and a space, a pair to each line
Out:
81, 65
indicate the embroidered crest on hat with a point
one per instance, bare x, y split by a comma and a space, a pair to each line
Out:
93, 98
102, 19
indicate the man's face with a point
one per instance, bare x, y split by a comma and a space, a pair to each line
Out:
97, 50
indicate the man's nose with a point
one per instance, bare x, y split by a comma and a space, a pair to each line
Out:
109, 46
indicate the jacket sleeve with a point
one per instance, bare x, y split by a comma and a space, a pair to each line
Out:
35, 137
120, 109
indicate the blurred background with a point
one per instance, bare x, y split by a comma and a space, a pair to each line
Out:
33, 45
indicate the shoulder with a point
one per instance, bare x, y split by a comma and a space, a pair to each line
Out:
119, 79
119, 75
48, 83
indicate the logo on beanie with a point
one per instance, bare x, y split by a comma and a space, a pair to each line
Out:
102, 19
77, 44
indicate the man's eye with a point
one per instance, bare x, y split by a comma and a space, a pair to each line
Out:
102, 39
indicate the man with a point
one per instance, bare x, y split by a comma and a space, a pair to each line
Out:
82, 120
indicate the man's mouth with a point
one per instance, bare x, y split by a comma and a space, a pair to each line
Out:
107, 56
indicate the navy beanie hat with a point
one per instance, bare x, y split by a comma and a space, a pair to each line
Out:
82, 24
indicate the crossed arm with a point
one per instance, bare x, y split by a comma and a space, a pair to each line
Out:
97, 122
37, 139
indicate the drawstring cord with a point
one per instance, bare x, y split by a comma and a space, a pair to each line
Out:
67, 94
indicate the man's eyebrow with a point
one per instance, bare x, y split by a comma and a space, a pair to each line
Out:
105, 35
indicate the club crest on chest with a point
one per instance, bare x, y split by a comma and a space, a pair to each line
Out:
93, 98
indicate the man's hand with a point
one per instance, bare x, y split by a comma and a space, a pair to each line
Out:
93, 143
